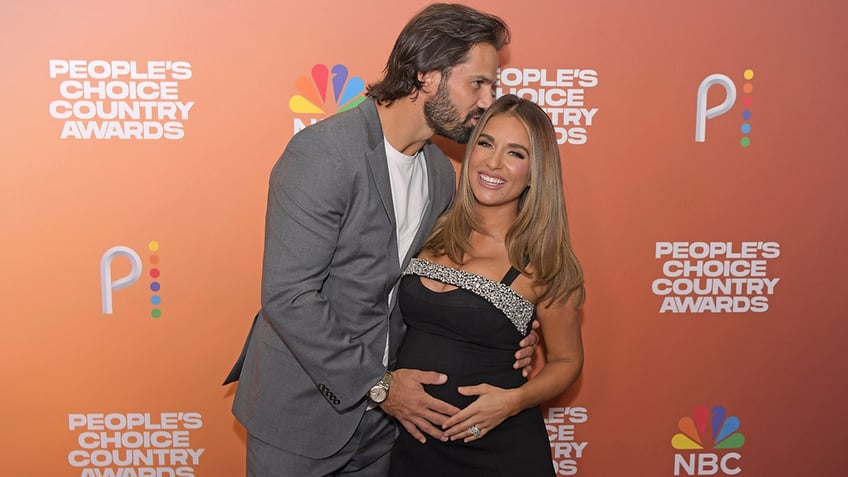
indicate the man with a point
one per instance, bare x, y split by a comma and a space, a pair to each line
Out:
351, 200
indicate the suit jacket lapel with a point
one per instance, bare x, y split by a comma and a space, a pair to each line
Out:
380, 174
379, 168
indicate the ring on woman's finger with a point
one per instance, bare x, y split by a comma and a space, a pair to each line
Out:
474, 430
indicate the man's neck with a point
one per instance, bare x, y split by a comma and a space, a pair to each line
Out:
404, 125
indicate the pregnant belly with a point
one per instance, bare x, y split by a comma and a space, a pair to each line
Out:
465, 364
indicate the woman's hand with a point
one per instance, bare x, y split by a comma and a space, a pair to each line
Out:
491, 408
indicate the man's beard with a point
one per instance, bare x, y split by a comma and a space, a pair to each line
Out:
443, 116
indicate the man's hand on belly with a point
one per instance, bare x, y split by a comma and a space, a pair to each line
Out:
417, 411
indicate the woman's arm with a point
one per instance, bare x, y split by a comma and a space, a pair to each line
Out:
563, 362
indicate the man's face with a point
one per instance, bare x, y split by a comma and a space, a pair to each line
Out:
463, 96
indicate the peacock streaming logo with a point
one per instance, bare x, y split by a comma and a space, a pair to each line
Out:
328, 90
109, 285
708, 429
723, 82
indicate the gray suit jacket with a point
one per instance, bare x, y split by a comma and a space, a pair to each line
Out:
330, 262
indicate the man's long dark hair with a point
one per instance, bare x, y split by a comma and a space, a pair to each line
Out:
436, 39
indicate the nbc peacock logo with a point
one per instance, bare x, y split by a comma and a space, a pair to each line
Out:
328, 90
708, 429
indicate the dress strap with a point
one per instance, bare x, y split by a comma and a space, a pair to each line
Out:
510, 276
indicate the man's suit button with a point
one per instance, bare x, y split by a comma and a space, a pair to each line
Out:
328, 394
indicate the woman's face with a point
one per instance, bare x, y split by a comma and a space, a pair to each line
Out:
499, 164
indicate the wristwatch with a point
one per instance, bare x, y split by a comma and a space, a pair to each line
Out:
380, 391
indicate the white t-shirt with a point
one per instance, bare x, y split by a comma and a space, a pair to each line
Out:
410, 195
408, 176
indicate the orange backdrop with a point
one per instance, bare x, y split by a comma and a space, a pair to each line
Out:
678, 381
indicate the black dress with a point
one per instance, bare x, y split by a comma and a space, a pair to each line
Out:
471, 334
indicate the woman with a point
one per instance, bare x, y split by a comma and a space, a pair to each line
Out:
509, 216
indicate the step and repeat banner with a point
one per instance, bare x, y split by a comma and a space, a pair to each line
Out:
703, 148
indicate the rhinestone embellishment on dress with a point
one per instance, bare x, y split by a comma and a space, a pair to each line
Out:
517, 308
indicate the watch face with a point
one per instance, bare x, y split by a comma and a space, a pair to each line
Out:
378, 394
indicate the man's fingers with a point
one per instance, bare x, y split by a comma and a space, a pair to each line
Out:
429, 377
442, 409
418, 427
431, 430
413, 431
530, 341
435, 418
522, 363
